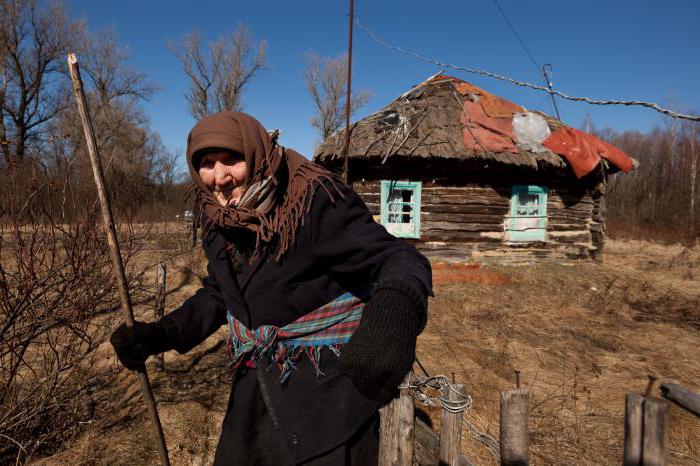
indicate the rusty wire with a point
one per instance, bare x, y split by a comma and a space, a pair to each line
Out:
520, 83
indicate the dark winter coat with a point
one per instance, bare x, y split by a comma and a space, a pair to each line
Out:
339, 247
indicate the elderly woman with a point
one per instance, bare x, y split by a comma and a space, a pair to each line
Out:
323, 305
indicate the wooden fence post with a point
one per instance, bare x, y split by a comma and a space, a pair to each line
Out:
396, 429
159, 307
645, 431
634, 410
406, 423
654, 435
388, 435
451, 428
514, 432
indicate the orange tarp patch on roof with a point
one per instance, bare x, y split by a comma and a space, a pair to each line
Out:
481, 133
584, 151
494, 106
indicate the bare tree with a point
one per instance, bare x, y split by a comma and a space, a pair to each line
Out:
103, 61
219, 72
658, 200
34, 38
326, 80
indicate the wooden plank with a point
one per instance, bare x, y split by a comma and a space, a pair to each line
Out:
632, 455
449, 226
428, 216
405, 413
388, 434
514, 432
654, 435
489, 209
683, 397
459, 236
494, 199
427, 448
450, 429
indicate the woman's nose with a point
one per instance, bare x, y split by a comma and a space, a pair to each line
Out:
221, 175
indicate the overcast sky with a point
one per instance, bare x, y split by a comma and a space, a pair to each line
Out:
622, 49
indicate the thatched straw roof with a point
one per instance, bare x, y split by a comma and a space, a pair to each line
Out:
424, 122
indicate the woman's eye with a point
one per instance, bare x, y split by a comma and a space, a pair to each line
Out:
232, 160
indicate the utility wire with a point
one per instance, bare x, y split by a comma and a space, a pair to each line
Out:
517, 82
517, 36
547, 79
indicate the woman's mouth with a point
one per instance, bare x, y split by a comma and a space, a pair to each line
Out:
227, 196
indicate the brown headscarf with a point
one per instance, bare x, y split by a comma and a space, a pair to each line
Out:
278, 187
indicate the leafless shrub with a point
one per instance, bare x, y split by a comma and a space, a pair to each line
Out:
55, 293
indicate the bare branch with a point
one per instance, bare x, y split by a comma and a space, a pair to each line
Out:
326, 81
219, 72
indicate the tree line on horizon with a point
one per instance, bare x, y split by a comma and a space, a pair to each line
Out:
42, 144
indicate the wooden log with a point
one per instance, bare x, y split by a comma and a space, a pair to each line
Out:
459, 236
683, 397
654, 435
514, 433
466, 208
450, 428
405, 413
388, 434
450, 226
427, 448
461, 217
159, 305
632, 455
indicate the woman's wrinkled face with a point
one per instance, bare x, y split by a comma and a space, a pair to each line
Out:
224, 172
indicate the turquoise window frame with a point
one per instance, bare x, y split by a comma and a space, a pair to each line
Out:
401, 230
527, 221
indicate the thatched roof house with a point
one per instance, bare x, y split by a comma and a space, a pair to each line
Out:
465, 173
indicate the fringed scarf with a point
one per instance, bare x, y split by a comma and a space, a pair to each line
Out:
278, 188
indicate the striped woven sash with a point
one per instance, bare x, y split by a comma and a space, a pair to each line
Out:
327, 327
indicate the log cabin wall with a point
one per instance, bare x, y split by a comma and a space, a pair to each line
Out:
465, 217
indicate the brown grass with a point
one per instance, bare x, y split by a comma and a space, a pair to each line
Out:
582, 336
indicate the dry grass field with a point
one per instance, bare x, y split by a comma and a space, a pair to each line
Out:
582, 335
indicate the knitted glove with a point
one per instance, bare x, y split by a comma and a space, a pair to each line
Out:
383, 348
136, 343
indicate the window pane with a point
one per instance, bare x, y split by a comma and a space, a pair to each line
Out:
400, 206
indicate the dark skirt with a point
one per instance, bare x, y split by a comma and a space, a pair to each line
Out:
249, 435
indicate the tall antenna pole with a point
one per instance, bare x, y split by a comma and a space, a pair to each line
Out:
549, 83
346, 147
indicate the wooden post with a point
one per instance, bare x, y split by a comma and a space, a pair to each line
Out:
113, 242
159, 305
451, 428
406, 423
654, 435
683, 397
645, 431
514, 432
397, 429
632, 455
388, 434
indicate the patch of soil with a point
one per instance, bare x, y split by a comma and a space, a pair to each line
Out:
448, 273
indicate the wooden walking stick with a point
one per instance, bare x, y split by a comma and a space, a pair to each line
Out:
113, 243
